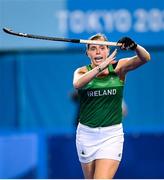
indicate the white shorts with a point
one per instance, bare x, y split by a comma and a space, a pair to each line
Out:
99, 143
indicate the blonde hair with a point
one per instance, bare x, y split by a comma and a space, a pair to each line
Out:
98, 36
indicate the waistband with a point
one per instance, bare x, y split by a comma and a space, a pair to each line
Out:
108, 128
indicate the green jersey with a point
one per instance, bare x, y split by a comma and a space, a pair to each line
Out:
101, 100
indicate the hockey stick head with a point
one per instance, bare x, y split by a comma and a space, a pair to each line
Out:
7, 30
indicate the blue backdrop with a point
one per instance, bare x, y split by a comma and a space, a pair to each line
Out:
37, 89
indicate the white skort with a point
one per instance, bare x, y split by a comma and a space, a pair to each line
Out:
99, 143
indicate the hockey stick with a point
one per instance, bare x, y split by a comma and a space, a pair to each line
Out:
81, 41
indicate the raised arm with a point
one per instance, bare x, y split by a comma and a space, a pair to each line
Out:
82, 76
125, 65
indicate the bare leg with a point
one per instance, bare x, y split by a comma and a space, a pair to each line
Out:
105, 168
88, 169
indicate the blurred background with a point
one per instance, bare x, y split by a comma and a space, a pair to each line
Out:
37, 109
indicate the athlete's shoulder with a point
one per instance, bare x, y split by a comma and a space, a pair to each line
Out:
118, 69
82, 70
120, 63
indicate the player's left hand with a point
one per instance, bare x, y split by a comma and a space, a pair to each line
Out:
127, 43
